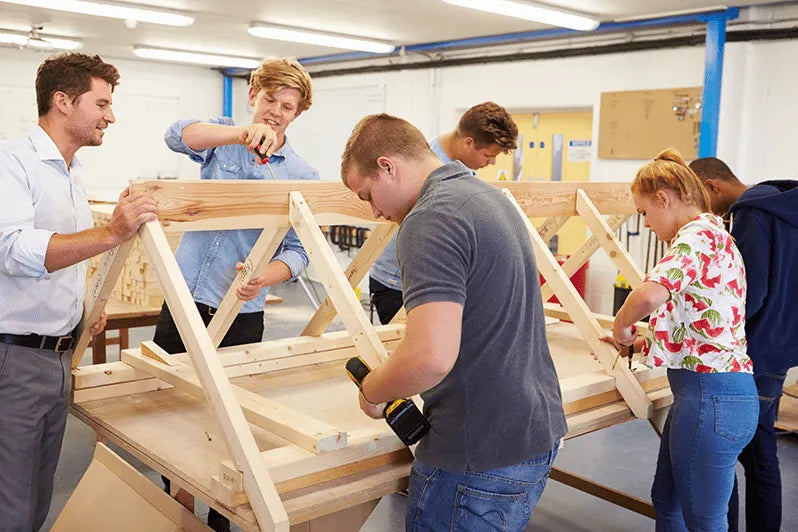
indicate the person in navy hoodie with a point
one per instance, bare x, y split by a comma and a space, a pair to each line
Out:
763, 220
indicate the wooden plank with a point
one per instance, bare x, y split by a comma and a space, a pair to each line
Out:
559, 198
154, 351
374, 245
244, 359
98, 293
118, 390
582, 254
351, 492
200, 205
607, 239
290, 462
262, 494
603, 492
343, 297
254, 265
288, 423
604, 320
582, 317
550, 226
112, 495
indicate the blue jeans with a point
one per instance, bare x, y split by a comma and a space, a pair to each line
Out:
762, 475
500, 499
714, 415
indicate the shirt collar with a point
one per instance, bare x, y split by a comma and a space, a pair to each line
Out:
285, 150
46, 148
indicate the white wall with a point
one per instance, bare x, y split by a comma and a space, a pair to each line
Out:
150, 96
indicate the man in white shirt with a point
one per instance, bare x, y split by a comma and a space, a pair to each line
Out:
46, 233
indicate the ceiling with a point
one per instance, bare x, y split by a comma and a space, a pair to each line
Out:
221, 26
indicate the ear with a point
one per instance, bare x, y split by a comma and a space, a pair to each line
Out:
252, 95
62, 102
712, 186
386, 165
663, 198
469, 143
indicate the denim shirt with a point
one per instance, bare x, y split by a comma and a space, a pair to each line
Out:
208, 258
385, 269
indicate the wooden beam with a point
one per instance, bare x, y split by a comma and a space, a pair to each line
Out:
581, 255
265, 501
583, 318
254, 265
343, 297
229, 204
357, 269
606, 493
288, 423
607, 239
154, 351
550, 226
98, 293
604, 320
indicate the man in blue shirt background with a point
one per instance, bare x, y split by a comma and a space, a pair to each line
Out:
279, 91
46, 233
484, 131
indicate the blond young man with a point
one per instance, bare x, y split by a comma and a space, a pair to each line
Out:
484, 131
279, 91
480, 362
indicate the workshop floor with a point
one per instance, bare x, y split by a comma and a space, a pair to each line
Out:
622, 457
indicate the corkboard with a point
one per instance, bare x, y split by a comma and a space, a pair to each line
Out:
640, 124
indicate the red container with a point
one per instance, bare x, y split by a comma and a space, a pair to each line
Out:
579, 278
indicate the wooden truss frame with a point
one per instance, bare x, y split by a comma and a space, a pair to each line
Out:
315, 450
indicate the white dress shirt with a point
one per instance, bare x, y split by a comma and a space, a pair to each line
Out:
41, 197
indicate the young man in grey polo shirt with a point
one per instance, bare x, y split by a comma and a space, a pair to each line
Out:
475, 345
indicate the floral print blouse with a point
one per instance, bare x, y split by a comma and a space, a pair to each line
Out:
702, 327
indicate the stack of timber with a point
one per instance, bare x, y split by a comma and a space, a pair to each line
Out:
138, 283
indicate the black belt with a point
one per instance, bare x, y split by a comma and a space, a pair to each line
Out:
52, 343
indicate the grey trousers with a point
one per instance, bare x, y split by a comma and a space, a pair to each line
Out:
34, 384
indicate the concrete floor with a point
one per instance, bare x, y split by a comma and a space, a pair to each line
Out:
622, 457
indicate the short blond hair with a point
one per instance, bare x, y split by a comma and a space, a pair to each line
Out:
381, 135
276, 73
668, 171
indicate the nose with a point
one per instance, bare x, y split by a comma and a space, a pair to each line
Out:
491, 160
109, 116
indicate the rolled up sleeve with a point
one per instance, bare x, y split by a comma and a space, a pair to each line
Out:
22, 247
174, 138
293, 254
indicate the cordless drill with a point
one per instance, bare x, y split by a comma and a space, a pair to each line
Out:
402, 415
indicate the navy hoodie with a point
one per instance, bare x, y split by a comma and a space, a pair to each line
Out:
764, 224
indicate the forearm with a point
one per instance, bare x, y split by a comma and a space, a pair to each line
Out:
276, 272
200, 135
400, 376
65, 250
641, 302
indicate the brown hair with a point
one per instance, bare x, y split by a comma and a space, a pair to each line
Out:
712, 168
669, 171
489, 123
276, 73
70, 73
381, 135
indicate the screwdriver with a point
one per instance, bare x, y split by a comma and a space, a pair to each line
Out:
630, 347
264, 159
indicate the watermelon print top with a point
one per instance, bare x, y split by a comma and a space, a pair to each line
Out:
702, 327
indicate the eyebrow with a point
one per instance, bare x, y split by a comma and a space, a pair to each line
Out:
103, 100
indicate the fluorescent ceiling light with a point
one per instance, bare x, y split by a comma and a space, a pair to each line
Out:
39, 42
526, 11
200, 58
281, 33
121, 11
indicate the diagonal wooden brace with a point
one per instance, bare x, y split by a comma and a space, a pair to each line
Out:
365, 257
343, 297
255, 264
583, 319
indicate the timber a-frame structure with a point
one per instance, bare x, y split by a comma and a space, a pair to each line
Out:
283, 441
